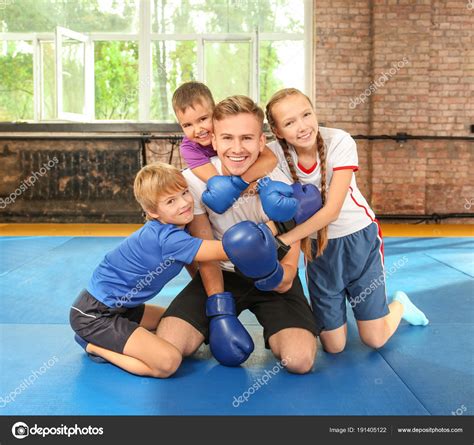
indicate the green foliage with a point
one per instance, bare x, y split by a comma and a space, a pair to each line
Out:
268, 83
79, 15
116, 80
16, 86
179, 68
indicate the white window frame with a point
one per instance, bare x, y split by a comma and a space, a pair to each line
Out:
60, 34
145, 39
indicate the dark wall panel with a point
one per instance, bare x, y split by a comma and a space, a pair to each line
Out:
69, 180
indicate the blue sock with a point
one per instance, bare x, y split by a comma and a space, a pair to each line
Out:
410, 312
83, 344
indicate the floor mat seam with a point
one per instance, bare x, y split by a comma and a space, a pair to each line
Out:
35, 258
448, 265
405, 384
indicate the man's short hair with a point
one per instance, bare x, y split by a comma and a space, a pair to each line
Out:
234, 105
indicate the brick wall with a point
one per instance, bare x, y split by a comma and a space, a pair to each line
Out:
388, 66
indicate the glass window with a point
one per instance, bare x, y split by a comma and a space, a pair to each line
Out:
48, 80
281, 66
79, 15
16, 86
183, 17
227, 68
116, 80
173, 63
73, 76
214, 41
227, 16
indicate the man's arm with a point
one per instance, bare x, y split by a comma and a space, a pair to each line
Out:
192, 269
290, 268
210, 271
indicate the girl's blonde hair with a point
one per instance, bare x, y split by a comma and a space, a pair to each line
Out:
321, 148
153, 181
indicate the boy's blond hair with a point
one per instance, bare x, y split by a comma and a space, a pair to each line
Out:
153, 181
233, 105
190, 93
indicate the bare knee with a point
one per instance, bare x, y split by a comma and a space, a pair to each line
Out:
334, 340
373, 340
299, 363
334, 346
181, 334
333, 343
168, 365
191, 347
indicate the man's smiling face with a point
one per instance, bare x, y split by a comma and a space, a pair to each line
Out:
238, 140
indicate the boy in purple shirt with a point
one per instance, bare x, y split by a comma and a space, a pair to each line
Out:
193, 105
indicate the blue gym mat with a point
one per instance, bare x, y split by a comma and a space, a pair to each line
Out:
421, 371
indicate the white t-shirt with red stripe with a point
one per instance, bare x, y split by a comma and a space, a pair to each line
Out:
341, 154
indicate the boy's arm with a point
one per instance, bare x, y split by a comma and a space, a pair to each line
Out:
205, 172
266, 162
211, 251
210, 271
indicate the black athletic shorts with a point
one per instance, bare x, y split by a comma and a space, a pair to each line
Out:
101, 325
274, 311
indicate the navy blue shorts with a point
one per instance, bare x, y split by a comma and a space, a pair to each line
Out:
351, 268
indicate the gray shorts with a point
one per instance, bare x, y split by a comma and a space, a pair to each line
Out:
101, 325
351, 268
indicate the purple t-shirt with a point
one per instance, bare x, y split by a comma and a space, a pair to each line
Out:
196, 154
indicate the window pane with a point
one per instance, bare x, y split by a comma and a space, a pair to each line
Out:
73, 75
281, 16
173, 64
281, 66
48, 87
227, 68
224, 16
78, 15
116, 80
16, 86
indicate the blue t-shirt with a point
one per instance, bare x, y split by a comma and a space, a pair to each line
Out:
142, 264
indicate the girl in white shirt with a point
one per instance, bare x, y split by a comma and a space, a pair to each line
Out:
345, 236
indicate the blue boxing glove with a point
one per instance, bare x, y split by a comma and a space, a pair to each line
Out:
309, 202
222, 192
253, 250
230, 342
277, 199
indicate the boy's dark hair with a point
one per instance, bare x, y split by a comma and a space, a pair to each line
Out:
189, 93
